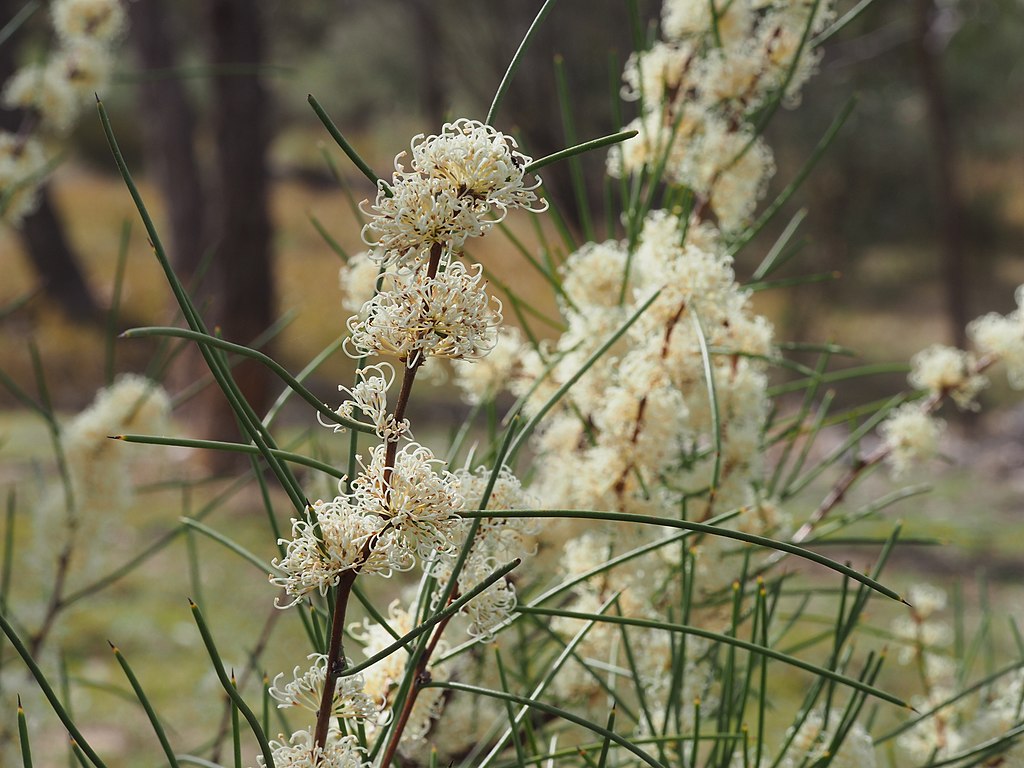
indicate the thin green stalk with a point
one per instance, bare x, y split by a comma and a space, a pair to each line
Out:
7, 568
347, 148
517, 59
769, 265
716, 418
236, 735
147, 706
333, 244
234, 546
579, 186
503, 678
798, 180
240, 406
48, 692
821, 672
426, 626
586, 146
230, 689
229, 447
23, 15
204, 339
115, 301
26, 747
548, 709
686, 525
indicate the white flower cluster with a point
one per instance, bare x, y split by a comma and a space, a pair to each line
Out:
958, 725
643, 412
911, 435
300, 751
430, 305
947, 371
497, 542
1002, 337
719, 62
350, 700
460, 183
388, 517
449, 315
383, 679
53, 94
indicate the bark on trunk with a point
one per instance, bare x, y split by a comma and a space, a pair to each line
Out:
243, 256
944, 160
169, 134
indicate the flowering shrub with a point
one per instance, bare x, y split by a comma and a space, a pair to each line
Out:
600, 582
51, 96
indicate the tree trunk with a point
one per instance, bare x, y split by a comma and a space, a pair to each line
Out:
242, 262
169, 135
431, 78
42, 232
943, 145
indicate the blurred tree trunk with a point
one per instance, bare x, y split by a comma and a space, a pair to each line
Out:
242, 262
944, 159
42, 231
169, 134
433, 96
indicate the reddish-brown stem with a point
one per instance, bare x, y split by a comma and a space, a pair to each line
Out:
335, 652
419, 679
335, 656
838, 492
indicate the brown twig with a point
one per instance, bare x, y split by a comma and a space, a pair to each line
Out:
336, 662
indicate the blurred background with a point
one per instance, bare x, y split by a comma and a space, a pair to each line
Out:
916, 214
919, 204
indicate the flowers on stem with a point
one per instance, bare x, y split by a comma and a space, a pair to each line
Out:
447, 315
459, 184
389, 516
306, 689
51, 95
300, 751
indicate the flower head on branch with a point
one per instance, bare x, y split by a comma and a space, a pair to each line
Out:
459, 184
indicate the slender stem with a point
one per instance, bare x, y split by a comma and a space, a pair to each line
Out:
862, 464
419, 679
335, 657
335, 653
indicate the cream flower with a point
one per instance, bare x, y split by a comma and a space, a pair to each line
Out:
369, 396
22, 166
341, 537
421, 506
911, 435
100, 20
306, 689
461, 182
300, 751
450, 315
943, 370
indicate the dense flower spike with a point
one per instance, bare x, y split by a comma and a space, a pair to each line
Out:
943, 371
460, 183
53, 94
1002, 337
341, 537
417, 503
697, 89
